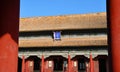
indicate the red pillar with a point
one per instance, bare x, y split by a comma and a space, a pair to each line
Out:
23, 64
91, 64
69, 63
42, 64
114, 36
9, 26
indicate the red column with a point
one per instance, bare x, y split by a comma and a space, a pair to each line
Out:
9, 26
23, 64
42, 64
69, 63
114, 36
91, 64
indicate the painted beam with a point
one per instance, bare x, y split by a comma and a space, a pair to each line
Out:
91, 64
69, 63
42, 64
23, 64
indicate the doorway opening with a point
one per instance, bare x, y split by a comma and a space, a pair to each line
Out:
102, 65
58, 63
81, 65
37, 64
19, 64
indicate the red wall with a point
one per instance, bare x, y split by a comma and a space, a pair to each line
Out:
29, 65
49, 66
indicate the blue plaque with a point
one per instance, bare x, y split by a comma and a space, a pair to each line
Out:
57, 35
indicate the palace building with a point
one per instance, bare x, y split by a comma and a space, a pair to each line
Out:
64, 43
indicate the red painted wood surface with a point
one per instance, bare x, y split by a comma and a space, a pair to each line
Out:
87, 67
23, 64
26, 66
74, 65
96, 65
69, 63
49, 66
42, 64
9, 29
29, 65
91, 64
8, 54
114, 36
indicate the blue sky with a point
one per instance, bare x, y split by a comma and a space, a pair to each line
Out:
34, 8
